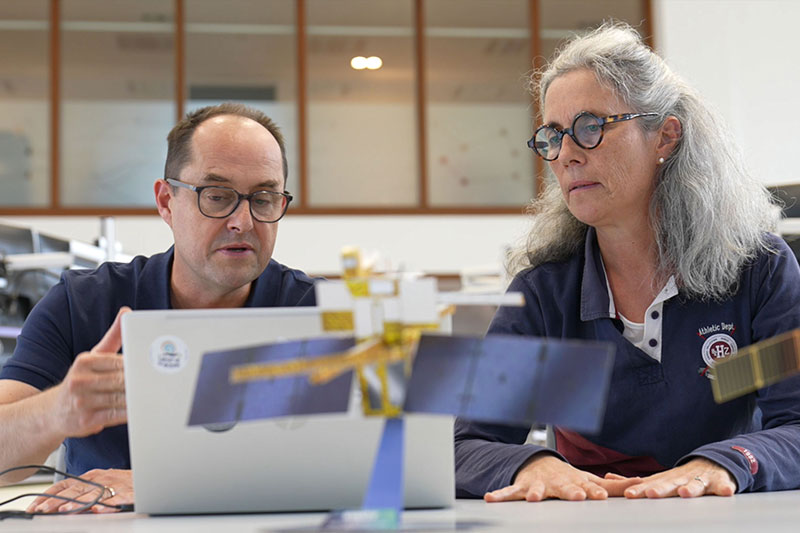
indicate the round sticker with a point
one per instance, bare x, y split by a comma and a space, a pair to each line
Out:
169, 354
718, 346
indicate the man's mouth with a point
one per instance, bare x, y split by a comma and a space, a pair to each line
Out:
237, 248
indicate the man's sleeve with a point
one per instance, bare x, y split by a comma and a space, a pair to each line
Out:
43, 353
488, 456
769, 459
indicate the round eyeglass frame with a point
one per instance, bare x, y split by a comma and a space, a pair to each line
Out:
601, 121
239, 198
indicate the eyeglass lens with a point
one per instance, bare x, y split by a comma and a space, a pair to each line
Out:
219, 202
586, 131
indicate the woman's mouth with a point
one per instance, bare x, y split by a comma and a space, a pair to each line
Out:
579, 185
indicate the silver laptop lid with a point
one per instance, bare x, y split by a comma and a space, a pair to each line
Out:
291, 464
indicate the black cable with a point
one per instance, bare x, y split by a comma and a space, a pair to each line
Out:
84, 507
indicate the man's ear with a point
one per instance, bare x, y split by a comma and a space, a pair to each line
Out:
164, 193
669, 135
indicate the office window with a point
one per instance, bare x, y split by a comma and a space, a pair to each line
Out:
560, 19
246, 51
437, 125
117, 86
478, 109
24, 107
361, 122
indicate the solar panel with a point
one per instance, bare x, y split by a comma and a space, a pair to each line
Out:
218, 400
512, 380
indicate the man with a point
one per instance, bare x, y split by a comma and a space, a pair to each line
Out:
222, 197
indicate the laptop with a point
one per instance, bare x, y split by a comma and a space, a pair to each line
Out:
309, 463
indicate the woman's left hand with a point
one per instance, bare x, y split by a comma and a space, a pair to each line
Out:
118, 491
698, 477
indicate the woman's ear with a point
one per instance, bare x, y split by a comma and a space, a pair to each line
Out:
669, 135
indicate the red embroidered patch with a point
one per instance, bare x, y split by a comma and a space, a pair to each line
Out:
750, 458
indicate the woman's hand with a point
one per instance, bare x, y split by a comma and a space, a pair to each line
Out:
118, 491
546, 476
698, 477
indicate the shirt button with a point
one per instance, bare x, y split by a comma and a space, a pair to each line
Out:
653, 343
654, 314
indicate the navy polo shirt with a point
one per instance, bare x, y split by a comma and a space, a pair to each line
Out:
658, 414
75, 314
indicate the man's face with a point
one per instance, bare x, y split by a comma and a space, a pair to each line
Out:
217, 258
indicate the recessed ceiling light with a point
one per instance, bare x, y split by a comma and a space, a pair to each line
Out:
359, 62
374, 62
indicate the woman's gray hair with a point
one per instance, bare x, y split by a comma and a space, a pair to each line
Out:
709, 216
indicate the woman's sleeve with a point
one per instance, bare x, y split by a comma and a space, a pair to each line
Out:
769, 459
488, 456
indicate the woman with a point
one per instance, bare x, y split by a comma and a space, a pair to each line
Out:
652, 236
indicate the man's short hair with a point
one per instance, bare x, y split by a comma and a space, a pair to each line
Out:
179, 140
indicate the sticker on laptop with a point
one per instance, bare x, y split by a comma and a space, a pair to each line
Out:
169, 354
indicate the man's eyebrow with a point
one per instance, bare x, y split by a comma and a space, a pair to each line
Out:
268, 184
216, 178
211, 177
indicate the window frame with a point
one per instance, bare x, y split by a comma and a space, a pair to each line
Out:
423, 207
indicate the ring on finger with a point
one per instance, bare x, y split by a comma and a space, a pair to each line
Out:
698, 478
111, 493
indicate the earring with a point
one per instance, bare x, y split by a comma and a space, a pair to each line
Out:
660, 160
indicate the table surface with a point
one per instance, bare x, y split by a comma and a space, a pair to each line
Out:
776, 511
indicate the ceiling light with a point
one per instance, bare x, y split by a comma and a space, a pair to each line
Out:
359, 62
374, 62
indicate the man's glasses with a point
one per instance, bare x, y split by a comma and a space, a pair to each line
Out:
219, 202
586, 131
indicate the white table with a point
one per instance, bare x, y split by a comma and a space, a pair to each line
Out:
777, 511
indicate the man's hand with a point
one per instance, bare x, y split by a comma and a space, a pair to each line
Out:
92, 395
118, 491
698, 477
547, 476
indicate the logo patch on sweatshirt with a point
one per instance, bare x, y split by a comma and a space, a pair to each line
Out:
719, 345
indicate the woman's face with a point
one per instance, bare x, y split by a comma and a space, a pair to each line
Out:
610, 185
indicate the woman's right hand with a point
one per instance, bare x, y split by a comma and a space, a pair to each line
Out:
546, 476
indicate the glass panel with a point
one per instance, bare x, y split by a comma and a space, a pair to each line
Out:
478, 109
560, 19
24, 107
118, 99
361, 123
245, 51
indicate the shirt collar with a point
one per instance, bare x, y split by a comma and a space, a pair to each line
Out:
595, 301
153, 284
669, 290
596, 298
152, 287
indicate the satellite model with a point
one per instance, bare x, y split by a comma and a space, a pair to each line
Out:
758, 365
378, 334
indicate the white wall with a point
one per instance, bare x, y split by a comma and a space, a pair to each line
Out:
740, 54
437, 244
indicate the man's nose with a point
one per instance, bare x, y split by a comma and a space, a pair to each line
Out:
241, 219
